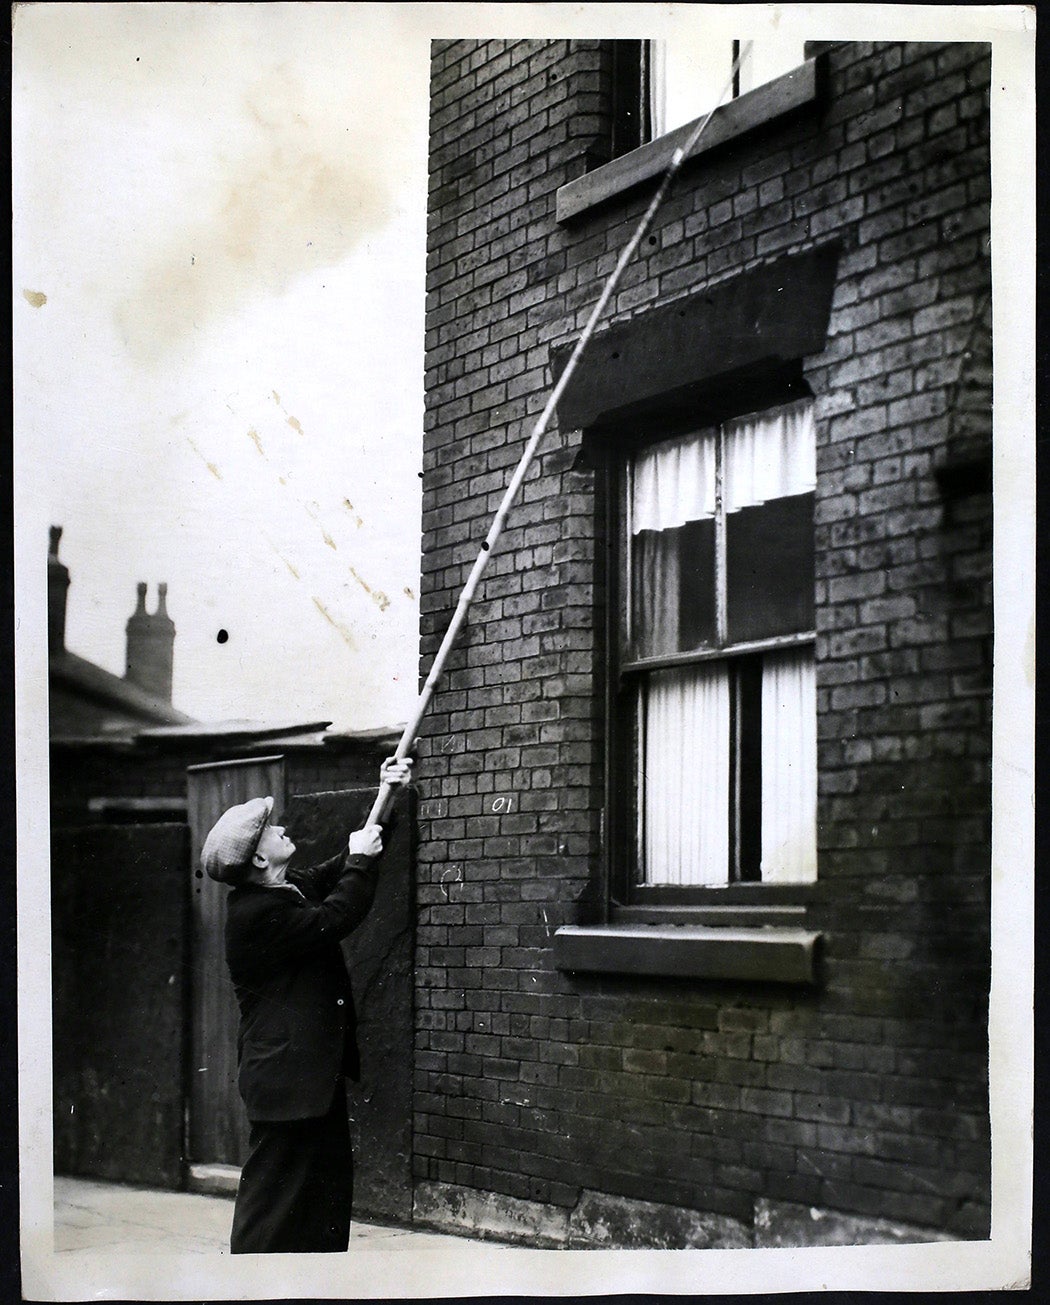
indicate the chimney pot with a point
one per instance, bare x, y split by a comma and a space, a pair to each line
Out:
57, 588
150, 646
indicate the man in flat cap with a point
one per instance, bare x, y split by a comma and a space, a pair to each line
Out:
297, 1041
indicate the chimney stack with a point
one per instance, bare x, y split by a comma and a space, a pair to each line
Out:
57, 587
150, 648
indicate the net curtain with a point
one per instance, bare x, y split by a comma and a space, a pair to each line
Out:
789, 767
768, 455
671, 483
684, 832
685, 812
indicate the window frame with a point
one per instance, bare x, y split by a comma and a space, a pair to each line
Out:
631, 901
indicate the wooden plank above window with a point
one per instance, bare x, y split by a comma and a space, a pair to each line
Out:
795, 90
714, 351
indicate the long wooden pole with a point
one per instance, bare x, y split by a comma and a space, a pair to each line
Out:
408, 738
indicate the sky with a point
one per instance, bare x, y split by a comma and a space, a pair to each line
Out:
219, 294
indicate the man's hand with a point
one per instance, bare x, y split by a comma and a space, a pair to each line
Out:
394, 772
366, 842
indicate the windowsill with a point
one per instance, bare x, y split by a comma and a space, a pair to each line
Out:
786, 94
758, 953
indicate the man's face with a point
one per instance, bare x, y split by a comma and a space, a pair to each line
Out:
274, 848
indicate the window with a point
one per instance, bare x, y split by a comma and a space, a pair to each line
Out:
687, 75
717, 713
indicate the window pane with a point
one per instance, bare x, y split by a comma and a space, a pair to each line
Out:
746, 775
770, 57
688, 76
689, 73
684, 745
769, 569
673, 589
789, 767
672, 577
770, 474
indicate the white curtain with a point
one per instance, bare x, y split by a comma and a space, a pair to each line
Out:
673, 482
684, 813
789, 768
770, 454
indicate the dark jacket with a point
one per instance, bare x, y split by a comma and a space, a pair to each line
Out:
298, 1029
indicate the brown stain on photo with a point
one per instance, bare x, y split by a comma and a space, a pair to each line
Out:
288, 564
377, 596
253, 435
292, 421
210, 465
336, 625
35, 298
295, 198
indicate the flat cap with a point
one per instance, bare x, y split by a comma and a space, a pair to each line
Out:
233, 838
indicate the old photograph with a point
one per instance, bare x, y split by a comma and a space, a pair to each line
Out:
524, 530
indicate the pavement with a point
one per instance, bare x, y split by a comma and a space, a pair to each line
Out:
93, 1217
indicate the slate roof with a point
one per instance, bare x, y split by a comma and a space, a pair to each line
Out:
89, 702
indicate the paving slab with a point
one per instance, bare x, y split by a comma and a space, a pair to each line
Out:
92, 1217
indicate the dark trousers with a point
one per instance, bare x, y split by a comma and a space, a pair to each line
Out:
297, 1185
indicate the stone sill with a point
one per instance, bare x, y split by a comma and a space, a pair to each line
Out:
786, 94
761, 953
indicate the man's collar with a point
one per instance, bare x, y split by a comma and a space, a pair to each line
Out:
254, 883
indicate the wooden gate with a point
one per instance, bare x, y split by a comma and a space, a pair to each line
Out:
217, 1132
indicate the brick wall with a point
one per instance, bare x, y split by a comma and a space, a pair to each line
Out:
867, 1095
80, 772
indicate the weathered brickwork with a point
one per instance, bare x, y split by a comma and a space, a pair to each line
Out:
867, 1094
